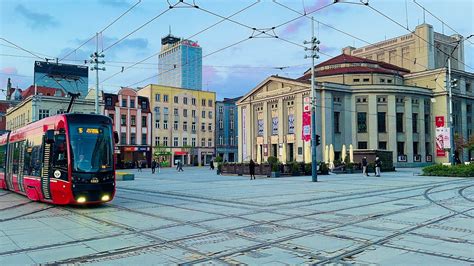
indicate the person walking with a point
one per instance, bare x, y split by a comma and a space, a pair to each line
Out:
252, 169
153, 166
211, 165
364, 166
378, 165
139, 166
180, 166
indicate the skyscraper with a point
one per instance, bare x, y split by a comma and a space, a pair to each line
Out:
180, 63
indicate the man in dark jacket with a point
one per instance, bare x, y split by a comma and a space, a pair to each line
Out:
252, 169
153, 166
378, 165
364, 166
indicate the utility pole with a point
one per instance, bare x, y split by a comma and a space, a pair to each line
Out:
450, 83
314, 49
95, 61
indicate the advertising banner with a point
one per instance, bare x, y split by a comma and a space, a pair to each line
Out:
71, 78
307, 104
260, 127
443, 141
306, 126
274, 125
291, 124
244, 135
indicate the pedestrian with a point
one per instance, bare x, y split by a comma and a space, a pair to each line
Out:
378, 165
153, 166
211, 165
139, 166
180, 166
364, 166
252, 169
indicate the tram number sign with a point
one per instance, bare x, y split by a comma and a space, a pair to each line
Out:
94, 180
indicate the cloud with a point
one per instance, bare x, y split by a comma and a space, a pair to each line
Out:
9, 70
209, 73
35, 20
329, 49
114, 3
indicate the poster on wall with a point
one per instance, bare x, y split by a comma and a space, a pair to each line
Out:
291, 124
260, 127
443, 141
306, 126
274, 125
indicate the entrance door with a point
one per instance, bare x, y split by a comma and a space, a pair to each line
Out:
275, 150
291, 156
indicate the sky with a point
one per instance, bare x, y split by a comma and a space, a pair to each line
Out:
233, 63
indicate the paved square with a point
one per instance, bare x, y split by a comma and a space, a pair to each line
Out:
197, 217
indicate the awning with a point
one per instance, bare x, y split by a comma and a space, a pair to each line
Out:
180, 153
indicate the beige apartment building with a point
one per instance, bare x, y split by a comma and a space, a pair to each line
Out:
183, 123
423, 49
369, 104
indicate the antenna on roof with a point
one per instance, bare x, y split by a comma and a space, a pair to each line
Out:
169, 29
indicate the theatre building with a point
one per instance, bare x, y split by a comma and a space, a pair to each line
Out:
131, 118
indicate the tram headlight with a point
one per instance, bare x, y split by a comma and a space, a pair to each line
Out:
81, 199
105, 197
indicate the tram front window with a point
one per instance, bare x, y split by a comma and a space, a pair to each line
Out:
91, 146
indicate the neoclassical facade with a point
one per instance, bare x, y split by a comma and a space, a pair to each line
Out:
369, 104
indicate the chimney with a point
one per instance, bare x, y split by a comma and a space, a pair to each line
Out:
9, 88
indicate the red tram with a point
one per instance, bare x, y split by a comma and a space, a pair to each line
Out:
63, 159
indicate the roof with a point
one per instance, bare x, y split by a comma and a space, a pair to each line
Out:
349, 70
345, 58
40, 90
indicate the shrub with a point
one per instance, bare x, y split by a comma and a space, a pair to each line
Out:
323, 168
460, 170
218, 159
295, 168
273, 161
308, 169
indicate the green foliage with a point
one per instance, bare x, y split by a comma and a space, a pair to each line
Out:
294, 168
460, 170
307, 169
218, 159
323, 168
274, 164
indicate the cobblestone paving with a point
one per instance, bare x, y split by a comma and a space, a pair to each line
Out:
197, 217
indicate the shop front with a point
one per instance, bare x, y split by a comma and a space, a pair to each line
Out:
128, 156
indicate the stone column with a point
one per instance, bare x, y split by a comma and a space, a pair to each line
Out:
408, 129
463, 120
421, 129
281, 130
372, 122
298, 115
392, 126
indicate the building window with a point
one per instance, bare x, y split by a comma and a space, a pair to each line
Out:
427, 123
389, 81
231, 124
400, 122
337, 116
193, 101
108, 101
175, 142
209, 142
221, 109
176, 100
144, 142
123, 138
365, 80
60, 111
193, 142
381, 122
157, 141
157, 97
185, 126
209, 127
210, 114
165, 141
209, 103
382, 80
382, 145
123, 120
356, 80
203, 142
203, 102
468, 87
144, 105
132, 103
185, 141
193, 113
221, 124
133, 120
232, 142
414, 120
362, 145
361, 122
185, 112
144, 118
427, 148
175, 125
157, 123
165, 98
193, 127
415, 148
401, 148
221, 140
165, 124
203, 127
124, 102
133, 138
175, 112
43, 113
185, 100
203, 114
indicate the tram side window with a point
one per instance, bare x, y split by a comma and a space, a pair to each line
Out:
2, 157
60, 151
36, 159
27, 169
16, 156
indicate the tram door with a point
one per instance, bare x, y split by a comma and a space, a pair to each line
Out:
9, 164
45, 188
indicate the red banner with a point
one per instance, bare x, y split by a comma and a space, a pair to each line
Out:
306, 126
440, 145
439, 122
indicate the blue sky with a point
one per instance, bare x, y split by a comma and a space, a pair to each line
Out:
52, 28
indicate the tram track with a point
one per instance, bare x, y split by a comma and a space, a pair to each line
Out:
426, 195
25, 214
17, 205
461, 193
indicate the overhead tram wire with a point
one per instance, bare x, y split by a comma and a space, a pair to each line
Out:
396, 22
141, 26
199, 32
21, 48
440, 20
105, 28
